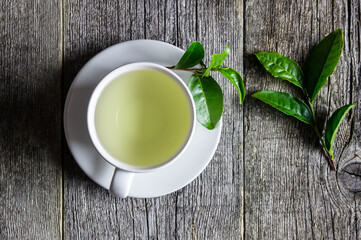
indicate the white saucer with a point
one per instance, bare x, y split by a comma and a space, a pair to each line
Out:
145, 185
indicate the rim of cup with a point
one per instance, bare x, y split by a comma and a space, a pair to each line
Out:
93, 102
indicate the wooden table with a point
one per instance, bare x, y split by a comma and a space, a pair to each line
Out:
268, 179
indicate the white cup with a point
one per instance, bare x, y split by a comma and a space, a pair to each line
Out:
124, 173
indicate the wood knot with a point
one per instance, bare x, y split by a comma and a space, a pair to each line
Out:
350, 177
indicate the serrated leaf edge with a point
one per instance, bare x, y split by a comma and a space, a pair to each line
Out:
296, 83
302, 119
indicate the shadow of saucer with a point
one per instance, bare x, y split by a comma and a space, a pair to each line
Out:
30, 119
72, 65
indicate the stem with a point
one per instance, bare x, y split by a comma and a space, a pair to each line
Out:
333, 165
330, 156
188, 70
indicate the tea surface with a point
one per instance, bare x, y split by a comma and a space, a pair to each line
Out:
143, 118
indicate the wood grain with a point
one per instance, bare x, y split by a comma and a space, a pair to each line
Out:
30, 126
268, 179
291, 192
89, 27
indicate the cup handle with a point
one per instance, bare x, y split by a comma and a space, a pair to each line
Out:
121, 183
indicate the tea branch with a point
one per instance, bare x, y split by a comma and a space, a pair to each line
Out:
207, 94
317, 70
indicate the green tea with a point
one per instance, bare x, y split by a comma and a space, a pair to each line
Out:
143, 118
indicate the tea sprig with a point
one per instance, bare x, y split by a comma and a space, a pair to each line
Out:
207, 94
319, 65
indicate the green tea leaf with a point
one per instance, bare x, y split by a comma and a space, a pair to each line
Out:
217, 60
236, 79
192, 56
322, 62
281, 67
287, 104
333, 123
208, 98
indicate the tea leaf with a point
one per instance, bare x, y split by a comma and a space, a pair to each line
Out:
322, 62
217, 60
281, 67
236, 79
208, 99
192, 56
319, 66
287, 104
333, 124
206, 92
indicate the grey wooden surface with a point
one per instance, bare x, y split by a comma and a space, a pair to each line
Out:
268, 179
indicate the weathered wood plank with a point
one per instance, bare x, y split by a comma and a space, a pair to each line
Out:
201, 209
216, 197
160, 219
340, 210
274, 178
291, 191
30, 129
348, 16
89, 211
136, 211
